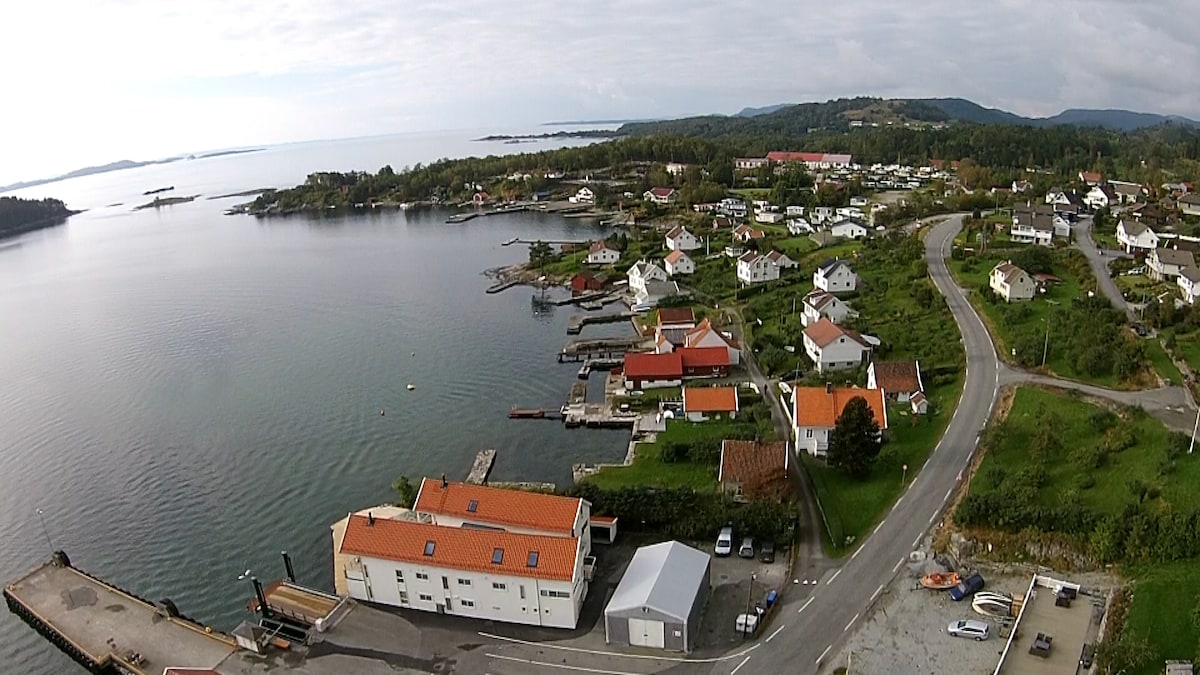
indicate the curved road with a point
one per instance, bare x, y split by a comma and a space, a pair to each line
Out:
813, 626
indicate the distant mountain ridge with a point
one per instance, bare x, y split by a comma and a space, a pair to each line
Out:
963, 110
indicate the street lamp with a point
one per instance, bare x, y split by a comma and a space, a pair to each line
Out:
903, 474
749, 599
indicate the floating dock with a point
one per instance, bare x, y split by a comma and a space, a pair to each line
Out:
101, 626
600, 348
577, 322
482, 466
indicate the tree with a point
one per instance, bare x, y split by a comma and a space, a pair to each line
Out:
540, 253
854, 444
406, 492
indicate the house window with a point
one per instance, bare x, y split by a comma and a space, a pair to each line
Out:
808, 433
467, 603
429, 546
554, 594
400, 575
422, 576
498, 586
522, 595
497, 556
404, 597
464, 582
532, 561
425, 597
473, 506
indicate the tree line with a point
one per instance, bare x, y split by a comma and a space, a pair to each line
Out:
25, 215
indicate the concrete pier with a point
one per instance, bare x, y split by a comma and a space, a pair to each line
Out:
482, 466
577, 322
607, 348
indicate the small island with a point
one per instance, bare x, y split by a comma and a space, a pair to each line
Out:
18, 216
169, 201
158, 190
586, 133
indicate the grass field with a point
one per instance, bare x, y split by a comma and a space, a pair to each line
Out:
1164, 597
648, 469
1162, 363
1187, 346
1076, 424
851, 506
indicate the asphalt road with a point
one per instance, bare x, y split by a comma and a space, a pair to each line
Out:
809, 627
1099, 265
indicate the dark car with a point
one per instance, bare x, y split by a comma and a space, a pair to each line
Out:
967, 587
1088, 655
768, 552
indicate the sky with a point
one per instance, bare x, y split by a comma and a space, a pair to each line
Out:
94, 81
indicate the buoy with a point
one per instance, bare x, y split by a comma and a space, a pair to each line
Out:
411, 386
414, 353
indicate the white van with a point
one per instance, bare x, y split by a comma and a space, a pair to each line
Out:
969, 628
724, 545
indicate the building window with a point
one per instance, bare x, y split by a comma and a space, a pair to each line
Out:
498, 586
400, 575
425, 597
522, 595
404, 597
467, 603
464, 582
554, 594
422, 576
429, 547
807, 434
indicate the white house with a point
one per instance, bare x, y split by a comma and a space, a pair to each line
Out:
678, 262
851, 212
1189, 284
859, 202
848, 228
661, 196
899, 380
835, 276
818, 304
1189, 204
745, 233
750, 163
1057, 196
1011, 282
583, 196
679, 239
798, 227
820, 214
815, 412
703, 403
794, 211
1101, 196
642, 272
768, 217
831, 347
1127, 192
1134, 237
1165, 264
782, 261
705, 335
602, 253
753, 268
675, 168
1032, 228
475, 551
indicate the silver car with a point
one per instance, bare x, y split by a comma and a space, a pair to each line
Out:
724, 542
969, 628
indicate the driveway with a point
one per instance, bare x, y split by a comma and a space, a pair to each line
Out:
1099, 265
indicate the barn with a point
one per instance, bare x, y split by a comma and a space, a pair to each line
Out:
660, 598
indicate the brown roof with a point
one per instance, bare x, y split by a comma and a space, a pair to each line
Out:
710, 399
824, 331
703, 357
676, 231
1170, 256
662, 192
817, 407
675, 256
650, 366
818, 299
752, 461
600, 246
673, 315
461, 548
897, 377
499, 506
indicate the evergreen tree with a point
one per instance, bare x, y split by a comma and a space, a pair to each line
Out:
854, 444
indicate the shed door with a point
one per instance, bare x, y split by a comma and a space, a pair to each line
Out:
646, 633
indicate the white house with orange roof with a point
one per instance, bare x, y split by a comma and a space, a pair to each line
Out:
660, 195
678, 262
705, 335
815, 412
704, 403
832, 347
475, 551
679, 239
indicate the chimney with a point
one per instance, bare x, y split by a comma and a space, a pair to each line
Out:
287, 565
370, 518
444, 483
828, 387
262, 597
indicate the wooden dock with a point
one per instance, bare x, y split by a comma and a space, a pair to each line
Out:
588, 366
600, 348
462, 217
577, 322
482, 466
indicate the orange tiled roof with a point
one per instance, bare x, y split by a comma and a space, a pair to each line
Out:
703, 357
650, 366
498, 506
750, 461
710, 399
461, 548
825, 331
675, 256
701, 330
815, 407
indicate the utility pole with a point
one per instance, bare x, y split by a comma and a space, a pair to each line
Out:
1191, 445
1046, 344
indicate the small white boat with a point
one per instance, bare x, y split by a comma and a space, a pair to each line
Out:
411, 386
992, 604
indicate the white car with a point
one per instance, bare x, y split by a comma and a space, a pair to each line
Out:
724, 545
969, 628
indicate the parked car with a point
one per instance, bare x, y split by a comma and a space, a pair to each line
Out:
768, 552
969, 628
724, 545
1088, 655
747, 548
967, 587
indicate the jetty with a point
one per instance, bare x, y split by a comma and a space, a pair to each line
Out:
602, 296
603, 348
598, 416
463, 217
482, 466
534, 414
577, 322
107, 629
502, 286
588, 366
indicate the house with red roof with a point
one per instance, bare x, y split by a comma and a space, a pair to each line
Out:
704, 403
833, 347
474, 551
651, 371
899, 380
661, 196
678, 262
704, 361
705, 335
815, 412
754, 469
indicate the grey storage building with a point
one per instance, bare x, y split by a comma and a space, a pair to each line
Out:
660, 598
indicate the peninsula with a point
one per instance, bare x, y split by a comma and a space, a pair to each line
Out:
586, 133
18, 216
169, 201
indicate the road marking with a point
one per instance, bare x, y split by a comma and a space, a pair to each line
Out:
771, 636
805, 605
601, 652
877, 592
899, 500
562, 666
877, 527
835, 575
739, 666
917, 540
898, 564
948, 493
824, 653
935, 512
850, 624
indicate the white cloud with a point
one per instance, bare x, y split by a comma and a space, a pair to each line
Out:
104, 79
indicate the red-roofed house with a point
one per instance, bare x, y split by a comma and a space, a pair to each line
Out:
815, 411
663, 196
704, 361
704, 403
649, 370
454, 504
832, 347
704, 335
678, 262
754, 469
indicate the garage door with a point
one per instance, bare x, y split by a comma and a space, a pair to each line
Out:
644, 633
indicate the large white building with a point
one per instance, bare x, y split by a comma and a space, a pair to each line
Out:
475, 551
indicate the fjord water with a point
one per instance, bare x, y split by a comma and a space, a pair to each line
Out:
185, 394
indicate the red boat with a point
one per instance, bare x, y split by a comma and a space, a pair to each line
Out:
940, 581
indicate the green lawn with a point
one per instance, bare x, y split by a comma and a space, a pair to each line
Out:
1076, 424
752, 193
1163, 599
1162, 363
851, 506
1187, 347
648, 469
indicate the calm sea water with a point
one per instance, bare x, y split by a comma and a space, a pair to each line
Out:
184, 394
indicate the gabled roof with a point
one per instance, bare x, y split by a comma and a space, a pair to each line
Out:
1008, 271
654, 366
897, 377
1191, 199
1107, 191
828, 265
819, 407
598, 246
498, 506
752, 461
663, 577
668, 316
1127, 188
675, 256
1091, 176
1192, 273
676, 231
1132, 227
701, 330
1170, 256
710, 399
643, 268
824, 332
749, 257
776, 257
461, 548
703, 357
661, 192
819, 299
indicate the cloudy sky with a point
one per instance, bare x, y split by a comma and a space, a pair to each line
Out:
91, 81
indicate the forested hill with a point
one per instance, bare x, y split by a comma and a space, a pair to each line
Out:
25, 215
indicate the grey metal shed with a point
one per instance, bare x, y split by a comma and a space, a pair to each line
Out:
660, 598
